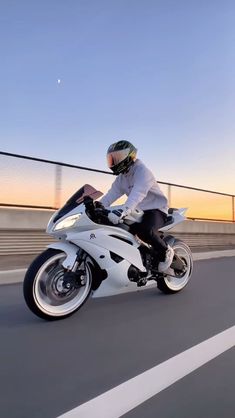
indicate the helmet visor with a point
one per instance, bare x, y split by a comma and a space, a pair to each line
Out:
116, 157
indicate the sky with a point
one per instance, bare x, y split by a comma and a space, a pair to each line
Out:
78, 75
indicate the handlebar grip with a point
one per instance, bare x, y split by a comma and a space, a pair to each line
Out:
89, 203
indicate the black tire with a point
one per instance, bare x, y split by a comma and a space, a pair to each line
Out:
164, 283
29, 286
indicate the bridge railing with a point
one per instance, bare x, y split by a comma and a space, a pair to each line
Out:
29, 182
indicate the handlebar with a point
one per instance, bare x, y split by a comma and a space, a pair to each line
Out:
97, 215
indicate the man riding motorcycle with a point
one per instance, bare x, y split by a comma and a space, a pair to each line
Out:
143, 192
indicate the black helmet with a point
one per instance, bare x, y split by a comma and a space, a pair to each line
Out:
120, 156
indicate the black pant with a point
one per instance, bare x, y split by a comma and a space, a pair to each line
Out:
148, 232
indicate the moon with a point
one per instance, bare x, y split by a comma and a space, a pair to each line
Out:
58, 80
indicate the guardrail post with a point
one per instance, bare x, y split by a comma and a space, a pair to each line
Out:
233, 209
169, 195
58, 179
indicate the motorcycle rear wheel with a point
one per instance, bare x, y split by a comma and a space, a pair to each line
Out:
169, 284
43, 288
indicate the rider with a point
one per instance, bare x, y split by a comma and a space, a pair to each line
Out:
139, 184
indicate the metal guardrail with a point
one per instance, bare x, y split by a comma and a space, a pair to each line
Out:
56, 188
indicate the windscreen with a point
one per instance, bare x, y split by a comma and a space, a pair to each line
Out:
77, 199
86, 190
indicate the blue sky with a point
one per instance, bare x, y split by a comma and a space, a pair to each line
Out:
158, 73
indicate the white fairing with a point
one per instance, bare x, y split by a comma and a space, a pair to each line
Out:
117, 278
98, 241
177, 217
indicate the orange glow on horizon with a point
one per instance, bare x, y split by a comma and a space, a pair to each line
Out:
202, 204
30, 187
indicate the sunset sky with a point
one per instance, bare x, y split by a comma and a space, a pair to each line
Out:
33, 183
77, 75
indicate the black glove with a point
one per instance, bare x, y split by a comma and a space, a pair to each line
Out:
98, 205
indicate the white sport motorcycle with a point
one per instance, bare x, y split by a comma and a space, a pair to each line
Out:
94, 257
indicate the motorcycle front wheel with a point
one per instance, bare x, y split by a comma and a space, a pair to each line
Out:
43, 288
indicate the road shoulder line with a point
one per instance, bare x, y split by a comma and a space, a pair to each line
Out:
17, 275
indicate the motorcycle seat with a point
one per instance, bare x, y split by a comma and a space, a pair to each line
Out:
171, 210
169, 220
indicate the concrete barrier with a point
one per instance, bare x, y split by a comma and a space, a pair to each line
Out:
23, 232
24, 219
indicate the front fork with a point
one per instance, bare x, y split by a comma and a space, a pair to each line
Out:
75, 277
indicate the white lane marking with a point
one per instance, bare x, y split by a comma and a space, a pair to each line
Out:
121, 399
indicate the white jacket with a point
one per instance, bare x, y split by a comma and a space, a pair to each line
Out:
141, 187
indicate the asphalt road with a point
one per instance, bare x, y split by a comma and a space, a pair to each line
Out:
48, 368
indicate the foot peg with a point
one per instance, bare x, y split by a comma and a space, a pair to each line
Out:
142, 282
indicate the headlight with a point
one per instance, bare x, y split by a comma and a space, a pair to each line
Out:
67, 222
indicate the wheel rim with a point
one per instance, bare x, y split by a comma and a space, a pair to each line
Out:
177, 283
49, 294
